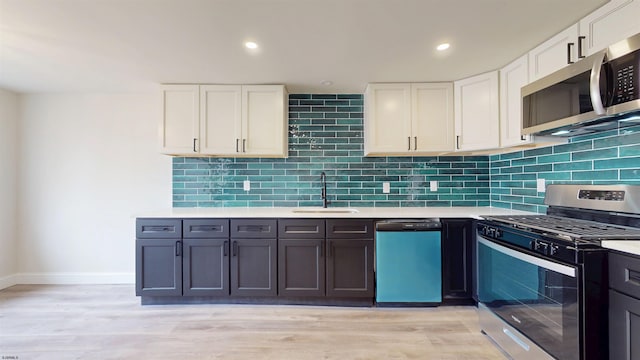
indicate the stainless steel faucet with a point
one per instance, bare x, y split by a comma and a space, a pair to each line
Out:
323, 180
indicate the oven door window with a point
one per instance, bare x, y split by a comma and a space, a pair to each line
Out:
536, 296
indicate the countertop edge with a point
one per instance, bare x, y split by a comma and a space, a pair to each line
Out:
631, 247
362, 212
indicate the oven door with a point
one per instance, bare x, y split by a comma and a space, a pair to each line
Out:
535, 296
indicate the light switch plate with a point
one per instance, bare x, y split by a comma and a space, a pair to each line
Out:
433, 185
386, 188
540, 185
247, 185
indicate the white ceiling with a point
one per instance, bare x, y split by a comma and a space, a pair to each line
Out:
132, 45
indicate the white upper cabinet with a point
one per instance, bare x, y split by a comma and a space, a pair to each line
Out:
225, 120
264, 121
512, 78
180, 127
554, 54
220, 119
408, 119
477, 113
432, 117
615, 21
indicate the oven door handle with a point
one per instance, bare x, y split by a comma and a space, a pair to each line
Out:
549, 265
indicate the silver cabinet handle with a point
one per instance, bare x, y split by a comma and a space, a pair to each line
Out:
458, 142
237, 140
415, 143
244, 145
194, 144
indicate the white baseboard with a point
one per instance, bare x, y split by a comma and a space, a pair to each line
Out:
8, 281
74, 278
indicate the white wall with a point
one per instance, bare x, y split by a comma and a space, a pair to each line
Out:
88, 163
8, 187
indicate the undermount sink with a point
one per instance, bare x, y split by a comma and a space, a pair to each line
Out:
324, 211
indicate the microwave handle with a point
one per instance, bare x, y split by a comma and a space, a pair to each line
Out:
594, 84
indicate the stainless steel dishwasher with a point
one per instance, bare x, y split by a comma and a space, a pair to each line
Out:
408, 262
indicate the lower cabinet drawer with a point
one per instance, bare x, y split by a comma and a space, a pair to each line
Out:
205, 228
624, 274
254, 228
349, 229
158, 228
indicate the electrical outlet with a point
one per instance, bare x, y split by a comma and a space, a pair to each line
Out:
247, 185
433, 185
541, 187
386, 188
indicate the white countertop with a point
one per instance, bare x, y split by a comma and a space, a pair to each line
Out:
628, 246
362, 212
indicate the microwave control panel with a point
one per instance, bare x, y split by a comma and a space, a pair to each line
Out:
626, 78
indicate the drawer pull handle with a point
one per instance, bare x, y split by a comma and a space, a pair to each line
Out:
158, 228
254, 228
225, 247
235, 248
204, 228
633, 277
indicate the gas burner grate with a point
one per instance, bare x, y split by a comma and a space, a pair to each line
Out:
574, 228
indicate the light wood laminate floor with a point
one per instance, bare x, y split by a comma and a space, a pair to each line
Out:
108, 322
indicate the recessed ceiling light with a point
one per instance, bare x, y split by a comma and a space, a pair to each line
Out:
326, 82
251, 45
443, 46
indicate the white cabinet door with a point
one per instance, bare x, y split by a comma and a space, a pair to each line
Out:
512, 78
180, 119
554, 53
387, 121
264, 125
432, 117
220, 119
615, 21
477, 117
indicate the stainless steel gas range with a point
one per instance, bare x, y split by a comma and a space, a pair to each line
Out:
542, 279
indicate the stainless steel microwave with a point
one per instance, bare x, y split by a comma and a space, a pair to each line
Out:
598, 93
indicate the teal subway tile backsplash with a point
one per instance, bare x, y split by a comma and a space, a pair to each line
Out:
611, 157
326, 134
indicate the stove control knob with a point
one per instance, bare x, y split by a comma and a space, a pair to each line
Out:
536, 245
553, 249
544, 248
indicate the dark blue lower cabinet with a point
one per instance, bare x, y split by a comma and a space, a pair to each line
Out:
205, 267
158, 267
457, 261
254, 267
624, 306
